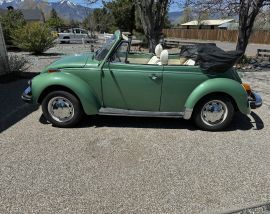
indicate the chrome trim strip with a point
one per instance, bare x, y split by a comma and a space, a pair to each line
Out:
188, 113
133, 113
26, 98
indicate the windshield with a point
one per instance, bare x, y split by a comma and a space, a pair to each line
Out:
103, 51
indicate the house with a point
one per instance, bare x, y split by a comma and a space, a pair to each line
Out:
229, 26
32, 15
206, 24
2, 12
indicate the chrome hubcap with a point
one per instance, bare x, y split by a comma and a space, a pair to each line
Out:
214, 112
60, 109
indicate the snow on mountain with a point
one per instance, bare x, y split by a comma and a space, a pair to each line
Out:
66, 9
7, 1
14, 3
69, 3
70, 11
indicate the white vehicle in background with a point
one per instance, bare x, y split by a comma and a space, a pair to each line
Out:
74, 35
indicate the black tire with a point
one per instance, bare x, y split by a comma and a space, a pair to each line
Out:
224, 107
66, 42
70, 101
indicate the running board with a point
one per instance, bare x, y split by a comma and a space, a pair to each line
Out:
133, 113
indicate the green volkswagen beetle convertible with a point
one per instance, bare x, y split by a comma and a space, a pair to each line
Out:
115, 81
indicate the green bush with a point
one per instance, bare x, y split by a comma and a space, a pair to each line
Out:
11, 21
245, 60
34, 37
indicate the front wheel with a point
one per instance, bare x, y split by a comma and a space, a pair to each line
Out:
213, 113
62, 109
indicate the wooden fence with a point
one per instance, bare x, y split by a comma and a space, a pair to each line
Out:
4, 69
259, 37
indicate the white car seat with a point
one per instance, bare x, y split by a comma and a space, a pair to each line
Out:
190, 62
164, 58
156, 59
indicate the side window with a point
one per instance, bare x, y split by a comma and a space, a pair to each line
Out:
120, 54
77, 31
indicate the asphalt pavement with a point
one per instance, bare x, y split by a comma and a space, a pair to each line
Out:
131, 165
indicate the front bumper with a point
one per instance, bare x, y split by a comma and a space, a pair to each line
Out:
255, 100
27, 95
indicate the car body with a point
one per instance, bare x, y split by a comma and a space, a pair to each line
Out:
115, 81
74, 35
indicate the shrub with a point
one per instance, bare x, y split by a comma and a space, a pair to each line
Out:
17, 64
245, 60
34, 37
11, 21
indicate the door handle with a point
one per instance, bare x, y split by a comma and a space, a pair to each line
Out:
154, 77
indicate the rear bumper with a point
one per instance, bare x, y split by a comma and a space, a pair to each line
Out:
255, 100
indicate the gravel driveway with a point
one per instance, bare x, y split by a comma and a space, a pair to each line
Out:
131, 165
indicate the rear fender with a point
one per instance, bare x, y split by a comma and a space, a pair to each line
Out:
81, 89
220, 85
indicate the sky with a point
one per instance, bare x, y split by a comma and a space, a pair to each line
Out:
173, 7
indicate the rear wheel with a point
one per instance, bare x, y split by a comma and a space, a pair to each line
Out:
62, 109
67, 39
213, 113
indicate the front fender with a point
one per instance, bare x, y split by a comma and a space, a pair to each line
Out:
222, 85
83, 91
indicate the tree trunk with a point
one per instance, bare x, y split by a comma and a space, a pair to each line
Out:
152, 15
153, 41
249, 9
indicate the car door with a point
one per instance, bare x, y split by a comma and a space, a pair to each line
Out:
84, 34
77, 34
178, 83
131, 86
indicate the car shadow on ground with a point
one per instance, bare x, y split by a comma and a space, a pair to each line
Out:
240, 122
12, 108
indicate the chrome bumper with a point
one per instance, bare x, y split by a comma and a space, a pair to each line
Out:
255, 100
27, 95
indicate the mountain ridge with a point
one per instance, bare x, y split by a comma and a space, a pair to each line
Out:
66, 9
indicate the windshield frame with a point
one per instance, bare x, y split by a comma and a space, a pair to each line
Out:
105, 49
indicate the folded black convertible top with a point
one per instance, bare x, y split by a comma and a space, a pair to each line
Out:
211, 58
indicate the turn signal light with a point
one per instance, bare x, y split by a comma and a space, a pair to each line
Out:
53, 70
247, 88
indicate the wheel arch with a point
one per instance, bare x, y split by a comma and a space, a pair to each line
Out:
223, 87
216, 94
51, 88
46, 83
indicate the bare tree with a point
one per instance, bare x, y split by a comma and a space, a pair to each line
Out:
246, 9
88, 11
187, 13
152, 14
247, 13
